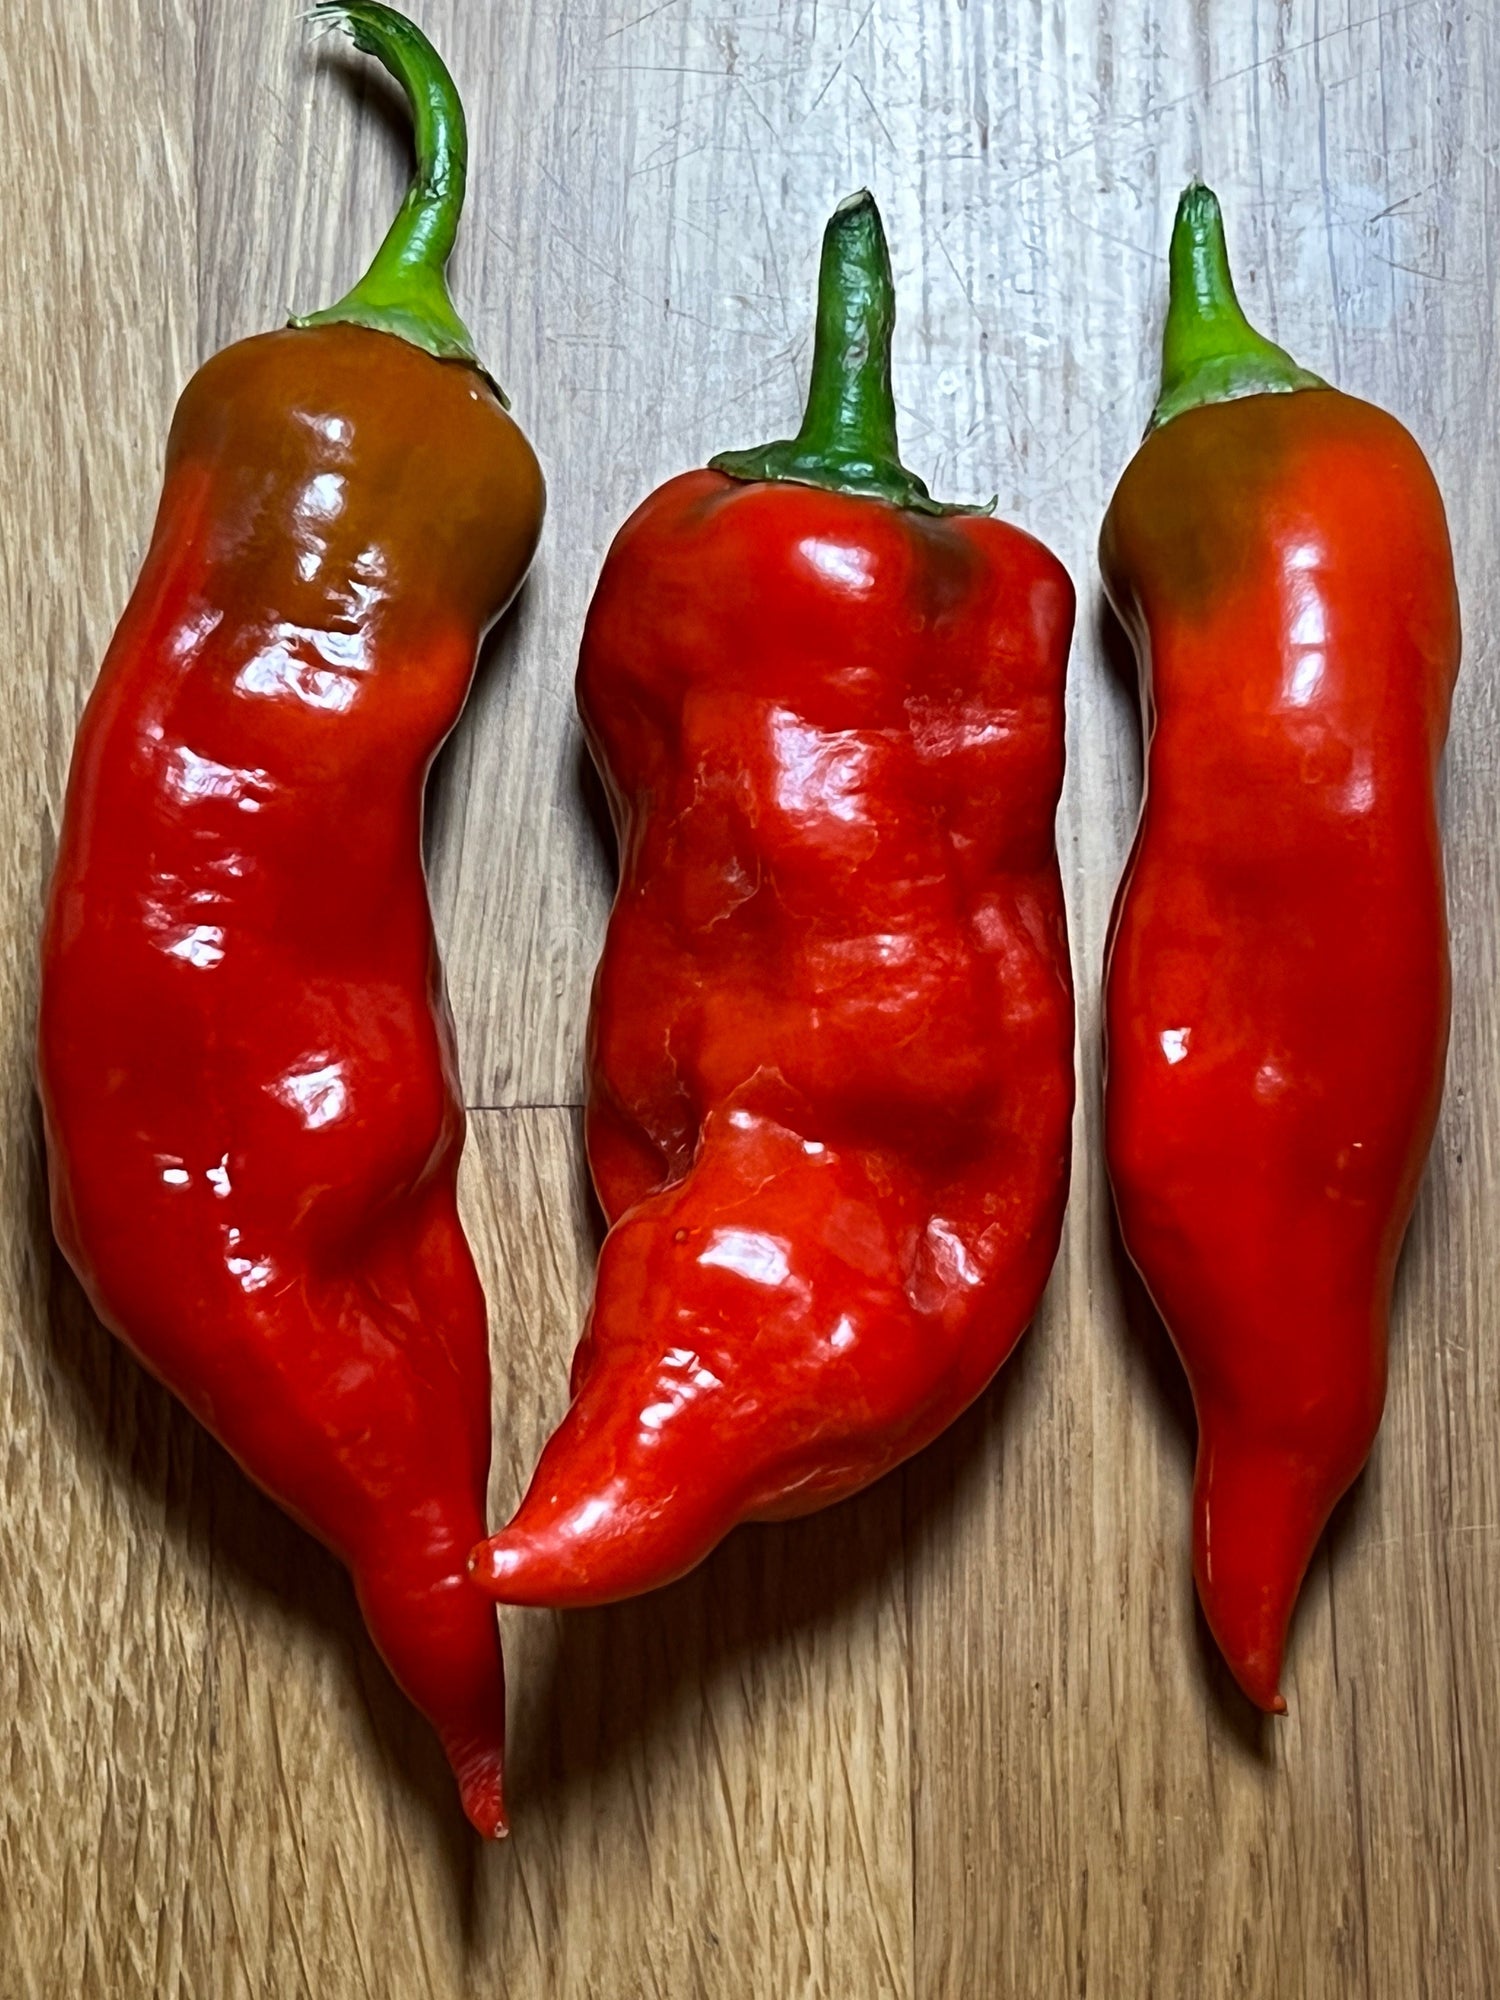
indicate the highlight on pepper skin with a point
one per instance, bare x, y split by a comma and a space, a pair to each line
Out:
1276, 982
830, 1049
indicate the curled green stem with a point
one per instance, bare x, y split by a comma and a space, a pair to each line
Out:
405, 290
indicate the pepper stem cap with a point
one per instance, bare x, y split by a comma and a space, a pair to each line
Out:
847, 442
1210, 353
405, 290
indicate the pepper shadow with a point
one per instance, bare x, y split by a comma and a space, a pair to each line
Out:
450, 778
595, 801
379, 105
631, 1682
1152, 1365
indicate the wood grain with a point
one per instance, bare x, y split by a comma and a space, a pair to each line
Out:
964, 1735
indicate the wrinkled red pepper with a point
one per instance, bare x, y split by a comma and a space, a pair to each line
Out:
246, 1058
830, 1055
1277, 981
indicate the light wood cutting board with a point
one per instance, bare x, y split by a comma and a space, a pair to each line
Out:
963, 1736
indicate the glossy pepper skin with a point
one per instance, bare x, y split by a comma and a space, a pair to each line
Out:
1277, 985
246, 1058
830, 1053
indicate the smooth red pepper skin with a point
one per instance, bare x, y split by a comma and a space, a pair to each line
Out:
1277, 982
830, 1053
246, 1060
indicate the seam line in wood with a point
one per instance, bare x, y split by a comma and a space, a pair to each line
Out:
567, 1104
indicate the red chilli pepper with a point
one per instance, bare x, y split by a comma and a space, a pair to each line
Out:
830, 1056
246, 1059
1277, 980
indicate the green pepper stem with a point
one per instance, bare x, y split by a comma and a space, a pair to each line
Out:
847, 442
1210, 353
405, 290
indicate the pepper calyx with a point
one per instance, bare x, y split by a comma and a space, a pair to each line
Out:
1210, 351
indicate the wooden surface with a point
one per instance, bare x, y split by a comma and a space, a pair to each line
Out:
963, 1736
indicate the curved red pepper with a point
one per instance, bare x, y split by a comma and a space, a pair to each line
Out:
1277, 981
246, 1059
830, 1058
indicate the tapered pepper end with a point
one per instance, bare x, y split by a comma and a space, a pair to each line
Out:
566, 1559
1210, 351
634, 1489
479, 1769
1257, 1517
443, 1646
598, 1545
1254, 1656
558, 1559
